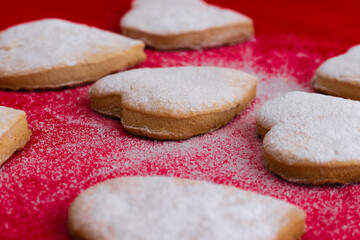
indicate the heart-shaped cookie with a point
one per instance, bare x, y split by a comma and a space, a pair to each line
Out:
340, 76
53, 53
311, 138
173, 103
14, 132
173, 24
150, 208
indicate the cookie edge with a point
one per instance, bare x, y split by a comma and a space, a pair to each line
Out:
336, 87
16, 137
228, 34
112, 106
75, 75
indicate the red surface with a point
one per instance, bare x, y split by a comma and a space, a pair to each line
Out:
73, 148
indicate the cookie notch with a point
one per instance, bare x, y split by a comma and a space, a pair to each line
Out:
79, 54
311, 138
14, 132
187, 203
209, 26
172, 120
340, 76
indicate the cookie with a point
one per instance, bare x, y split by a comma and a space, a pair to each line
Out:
186, 24
340, 76
173, 103
173, 208
311, 138
14, 132
54, 53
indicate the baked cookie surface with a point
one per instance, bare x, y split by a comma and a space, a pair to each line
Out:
14, 132
171, 208
173, 103
311, 138
54, 53
340, 76
172, 24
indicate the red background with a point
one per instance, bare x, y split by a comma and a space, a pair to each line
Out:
73, 148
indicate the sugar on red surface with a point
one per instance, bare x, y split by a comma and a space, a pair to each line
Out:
73, 148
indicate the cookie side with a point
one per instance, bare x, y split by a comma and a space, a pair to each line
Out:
312, 174
15, 133
74, 75
212, 37
167, 128
261, 130
295, 226
336, 87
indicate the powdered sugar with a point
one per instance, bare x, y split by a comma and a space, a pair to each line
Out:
167, 208
312, 128
174, 17
49, 43
345, 67
178, 92
73, 148
8, 116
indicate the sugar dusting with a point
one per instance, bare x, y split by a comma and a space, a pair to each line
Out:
174, 17
73, 148
118, 208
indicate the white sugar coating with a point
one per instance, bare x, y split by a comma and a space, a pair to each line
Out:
345, 67
328, 141
177, 91
312, 128
45, 44
174, 17
302, 107
154, 208
8, 117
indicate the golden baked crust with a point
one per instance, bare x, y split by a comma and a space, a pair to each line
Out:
14, 132
313, 175
295, 228
332, 86
169, 117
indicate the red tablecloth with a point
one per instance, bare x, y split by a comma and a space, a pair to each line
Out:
73, 148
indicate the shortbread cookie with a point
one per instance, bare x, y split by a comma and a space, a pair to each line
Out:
174, 24
14, 132
311, 138
173, 103
340, 76
150, 208
54, 53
